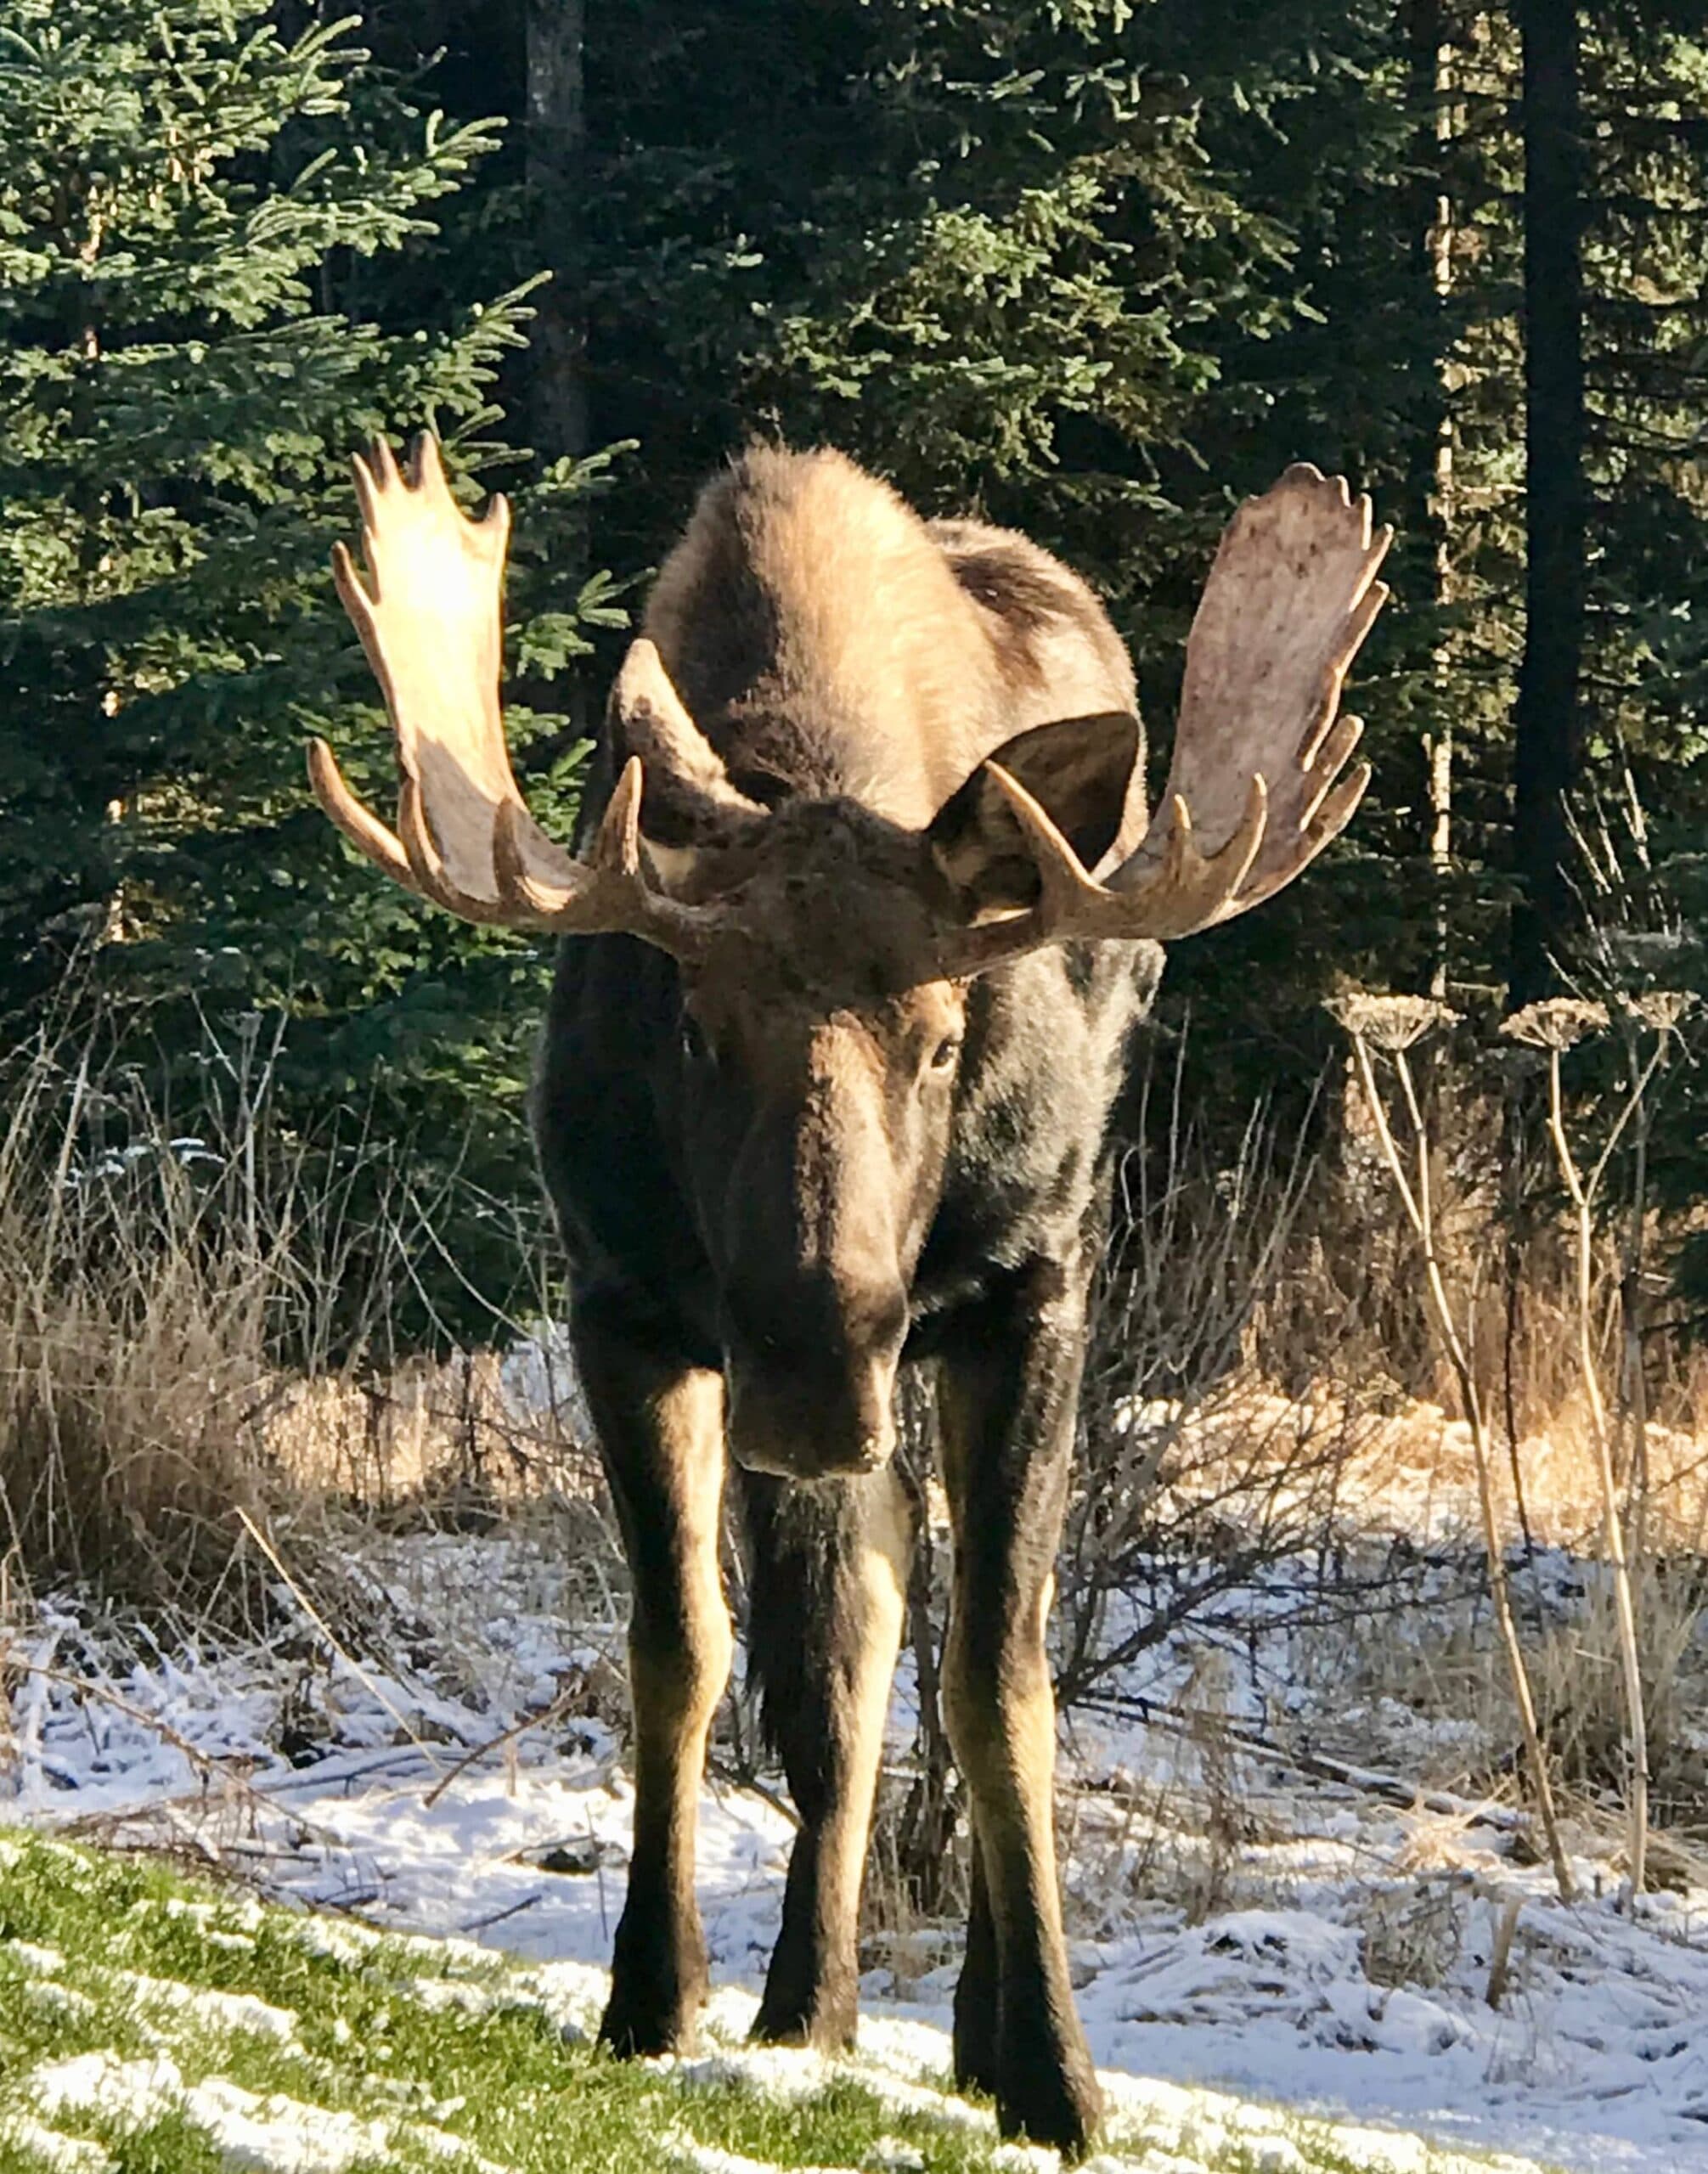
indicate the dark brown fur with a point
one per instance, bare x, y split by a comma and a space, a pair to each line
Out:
810, 1161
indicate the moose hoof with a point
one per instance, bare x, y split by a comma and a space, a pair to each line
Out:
1047, 2103
635, 2030
643, 2020
658, 1982
828, 2026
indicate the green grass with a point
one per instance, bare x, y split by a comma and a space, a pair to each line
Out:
418, 2053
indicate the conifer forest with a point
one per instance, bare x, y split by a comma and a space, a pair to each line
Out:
1380, 1644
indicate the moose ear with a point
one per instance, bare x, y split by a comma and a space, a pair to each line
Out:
1078, 769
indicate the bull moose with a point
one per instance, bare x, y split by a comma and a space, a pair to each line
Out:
823, 1093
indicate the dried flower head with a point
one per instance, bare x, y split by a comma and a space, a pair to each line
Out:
1391, 1023
1660, 1009
1556, 1023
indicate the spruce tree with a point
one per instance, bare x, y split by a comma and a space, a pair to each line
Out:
199, 327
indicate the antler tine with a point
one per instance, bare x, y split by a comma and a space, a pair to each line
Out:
616, 847
373, 476
1064, 883
426, 469
1191, 887
1339, 808
1187, 890
1362, 616
364, 829
1328, 802
596, 883
427, 607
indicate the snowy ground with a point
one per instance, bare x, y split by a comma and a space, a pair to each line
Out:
151, 2027
1323, 1949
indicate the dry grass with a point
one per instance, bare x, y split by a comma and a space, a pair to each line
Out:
1258, 1389
1260, 1328
1380, 1468
426, 1431
1577, 1673
133, 1379
176, 1347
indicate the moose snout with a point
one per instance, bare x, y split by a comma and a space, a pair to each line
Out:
817, 1410
805, 1425
813, 1306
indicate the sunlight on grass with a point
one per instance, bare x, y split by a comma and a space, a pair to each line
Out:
151, 2025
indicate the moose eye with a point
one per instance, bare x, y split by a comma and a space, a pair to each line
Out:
943, 1056
696, 1044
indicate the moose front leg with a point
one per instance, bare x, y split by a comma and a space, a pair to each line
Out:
829, 1581
1010, 1387
660, 1424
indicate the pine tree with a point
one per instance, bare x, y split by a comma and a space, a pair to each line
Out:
195, 213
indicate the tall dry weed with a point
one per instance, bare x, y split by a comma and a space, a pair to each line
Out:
196, 1327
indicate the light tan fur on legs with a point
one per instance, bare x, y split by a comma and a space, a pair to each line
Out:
661, 1430
1007, 1407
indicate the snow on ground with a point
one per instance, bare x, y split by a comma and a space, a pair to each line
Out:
1330, 1953
384, 2024
283, 2135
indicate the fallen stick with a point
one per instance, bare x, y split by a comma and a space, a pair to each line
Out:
1323, 1767
376, 1689
473, 1757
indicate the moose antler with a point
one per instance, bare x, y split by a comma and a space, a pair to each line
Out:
1255, 791
430, 615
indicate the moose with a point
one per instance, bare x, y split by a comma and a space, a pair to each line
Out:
863, 905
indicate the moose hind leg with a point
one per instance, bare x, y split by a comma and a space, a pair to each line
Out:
1008, 1398
829, 1581
975, 1991
661, 1429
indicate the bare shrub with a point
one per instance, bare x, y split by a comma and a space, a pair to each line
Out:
195, 1328
1393, 1024
1191, 1472
1178, 1827
1208, 1764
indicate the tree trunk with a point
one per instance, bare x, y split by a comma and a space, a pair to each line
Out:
556, 144
1431, 63
1546, 723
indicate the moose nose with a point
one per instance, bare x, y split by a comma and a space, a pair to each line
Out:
811, 1422
777, 1457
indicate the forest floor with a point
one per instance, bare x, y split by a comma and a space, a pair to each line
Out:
1285, 1909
